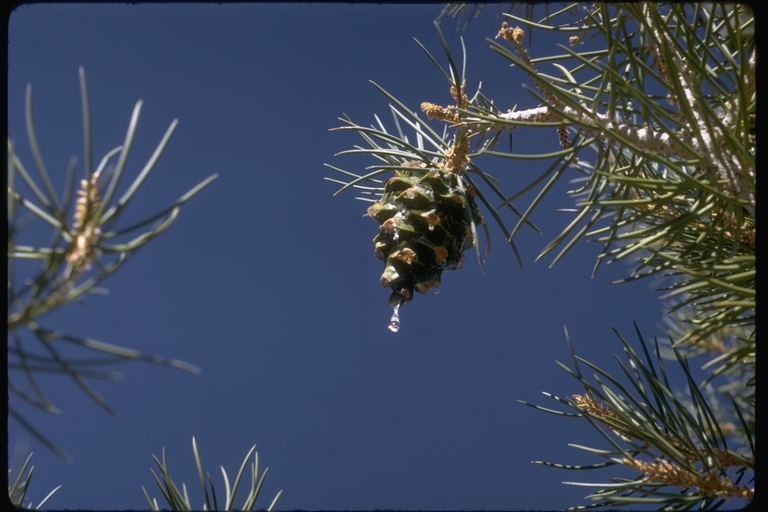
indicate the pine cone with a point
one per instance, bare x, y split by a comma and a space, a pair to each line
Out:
425, 229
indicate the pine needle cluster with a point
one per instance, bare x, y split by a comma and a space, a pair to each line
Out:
86, 248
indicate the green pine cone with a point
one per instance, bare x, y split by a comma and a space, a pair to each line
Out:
424, 229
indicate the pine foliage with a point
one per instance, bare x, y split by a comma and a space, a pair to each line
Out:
658, 114
87, 246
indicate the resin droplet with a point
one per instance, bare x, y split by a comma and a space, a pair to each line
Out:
394, 322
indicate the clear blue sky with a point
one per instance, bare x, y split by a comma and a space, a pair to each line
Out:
268, 283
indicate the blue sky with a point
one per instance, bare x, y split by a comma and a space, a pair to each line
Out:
268, 283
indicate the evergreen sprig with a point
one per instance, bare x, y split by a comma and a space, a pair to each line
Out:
669, 108
83, 252
179, 499
680, 451
18, 487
